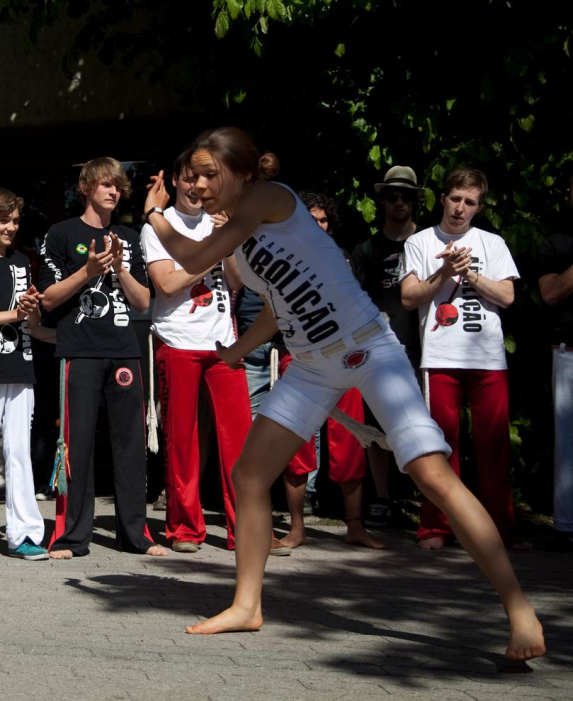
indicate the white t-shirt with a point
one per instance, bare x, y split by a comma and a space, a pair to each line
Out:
306, 279
196, 317
472, 337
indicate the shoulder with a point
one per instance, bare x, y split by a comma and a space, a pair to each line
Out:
421, 238
556, 243
269, 201
18, 258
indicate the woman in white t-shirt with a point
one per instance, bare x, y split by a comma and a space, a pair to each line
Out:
338, 340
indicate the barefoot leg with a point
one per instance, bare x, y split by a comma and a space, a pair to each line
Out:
478, 535
357, 534
295, 487
267, 450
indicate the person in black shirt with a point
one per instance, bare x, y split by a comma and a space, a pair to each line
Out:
19, 312
378, 264
556, 287
92, 273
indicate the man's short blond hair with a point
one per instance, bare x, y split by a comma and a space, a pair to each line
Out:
100, 170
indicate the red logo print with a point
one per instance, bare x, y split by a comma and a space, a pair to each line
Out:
124, 377
201, 296
355, 359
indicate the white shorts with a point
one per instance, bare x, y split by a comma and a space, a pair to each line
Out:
379, 367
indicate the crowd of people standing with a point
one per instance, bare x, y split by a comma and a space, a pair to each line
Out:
409, 318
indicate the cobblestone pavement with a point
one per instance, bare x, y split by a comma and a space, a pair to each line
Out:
342, 623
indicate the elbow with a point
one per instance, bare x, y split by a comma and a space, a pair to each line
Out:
408, 303
507, 301
142, 305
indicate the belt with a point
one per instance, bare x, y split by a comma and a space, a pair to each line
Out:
363, 334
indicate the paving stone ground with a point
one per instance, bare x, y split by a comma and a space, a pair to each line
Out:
342, 624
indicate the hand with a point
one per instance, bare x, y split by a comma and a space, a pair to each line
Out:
99, 263
28, 302
457, 261
157, 194
228, 356
116, 249
219, 219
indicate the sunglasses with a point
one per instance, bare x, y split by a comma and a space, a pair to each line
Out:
406, 197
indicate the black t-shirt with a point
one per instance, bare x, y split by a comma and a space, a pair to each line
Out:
16, 363
378, 264
555, 256
95, 322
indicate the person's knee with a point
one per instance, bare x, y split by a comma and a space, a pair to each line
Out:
433, 476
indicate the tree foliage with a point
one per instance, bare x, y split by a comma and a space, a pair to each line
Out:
342, 89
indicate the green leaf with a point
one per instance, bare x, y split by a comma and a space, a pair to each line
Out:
222, 24
264, 24
276, 10
367, 207
234, 8
239, 97
527, 123
450, 104
374, 156
509, 343
340, 50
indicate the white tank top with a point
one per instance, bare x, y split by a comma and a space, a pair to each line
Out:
306, 279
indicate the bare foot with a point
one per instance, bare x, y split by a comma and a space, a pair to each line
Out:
156, 551
436, 543
293, 540
360, 536
61, 554
233, 619
526, 636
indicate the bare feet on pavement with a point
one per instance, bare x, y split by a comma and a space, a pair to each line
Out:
61, 554
358, 535
233, 619
156, 551
293, 540
526, 636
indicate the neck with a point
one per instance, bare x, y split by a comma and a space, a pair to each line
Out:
398, 230
182, 209
2, 251
95, 218
446, 229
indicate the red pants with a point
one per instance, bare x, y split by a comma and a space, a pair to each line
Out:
347, 458
180, 373
487, 393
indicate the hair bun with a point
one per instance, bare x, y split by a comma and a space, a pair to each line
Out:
269, 166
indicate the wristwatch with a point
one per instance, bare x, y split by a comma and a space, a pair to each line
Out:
152, 210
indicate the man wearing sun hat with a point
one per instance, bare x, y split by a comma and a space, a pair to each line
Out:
378, 265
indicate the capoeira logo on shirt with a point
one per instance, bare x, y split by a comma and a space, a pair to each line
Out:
355, 359
202, 296
93, 303
8, 339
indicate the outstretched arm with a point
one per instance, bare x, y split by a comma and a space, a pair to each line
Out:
261, 202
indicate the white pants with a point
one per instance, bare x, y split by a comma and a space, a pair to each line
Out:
23, 518
379, 367
563, 408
